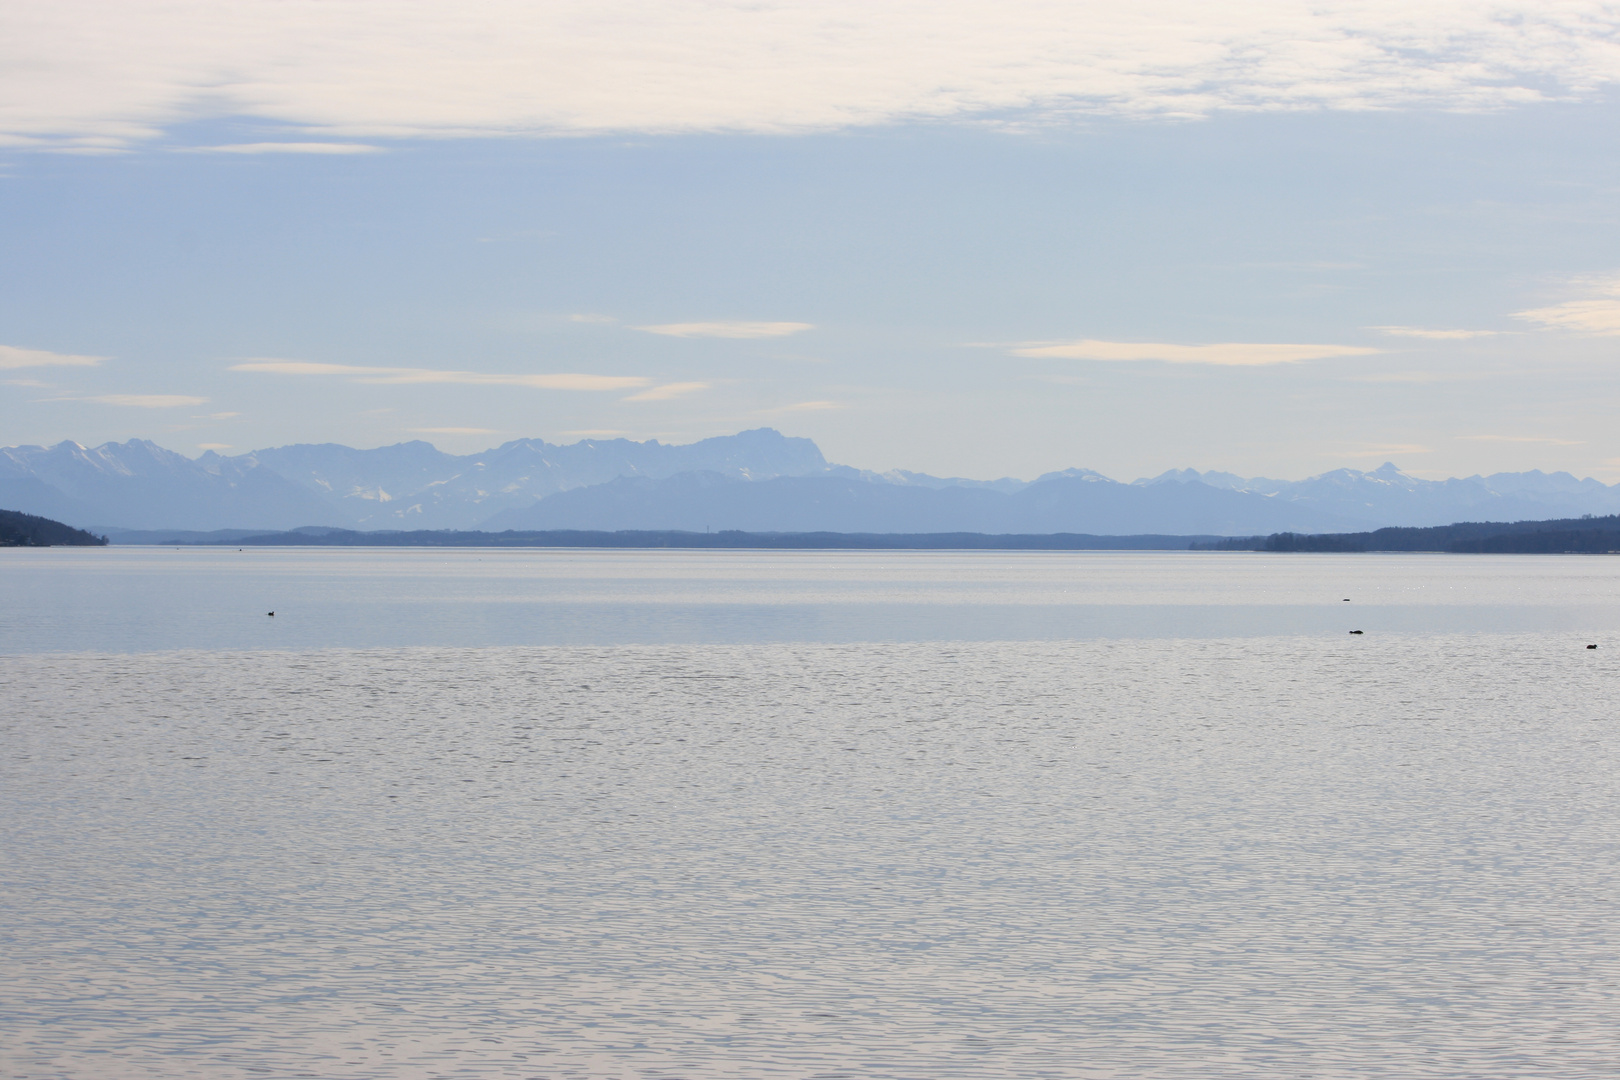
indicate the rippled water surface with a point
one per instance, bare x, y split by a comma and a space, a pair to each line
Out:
1142, 836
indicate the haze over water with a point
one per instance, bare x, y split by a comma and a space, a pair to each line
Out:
144, 599
807, 814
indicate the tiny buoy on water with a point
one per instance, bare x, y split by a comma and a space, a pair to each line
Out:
1355, 631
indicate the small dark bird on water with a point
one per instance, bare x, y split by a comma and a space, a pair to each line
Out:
271, 614
1591, 646
1346, 599
1355, 631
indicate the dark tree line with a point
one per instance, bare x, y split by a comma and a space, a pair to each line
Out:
25, 530
1575, 536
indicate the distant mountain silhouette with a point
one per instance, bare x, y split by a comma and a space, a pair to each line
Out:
413, 485
1064, 503
1387, 496
138, 484
756, 480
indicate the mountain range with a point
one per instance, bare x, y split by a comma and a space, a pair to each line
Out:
758, 481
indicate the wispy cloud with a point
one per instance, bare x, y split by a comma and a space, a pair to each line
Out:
103, 74
1598, 313
727, 329
218, 416
83, 147
668, 390
598, 433
399, 376
805, 406
12, 357
287, 148
213, 446
454, 431
589, 317
1523, 439
145, 401
1229, 354
1434, 335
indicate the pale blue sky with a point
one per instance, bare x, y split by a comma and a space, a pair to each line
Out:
1021, 272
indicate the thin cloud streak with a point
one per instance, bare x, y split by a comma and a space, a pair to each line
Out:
12, 358
144, 401
740, 330
668, 391
804, 406
287, 148
1434, 335
390, 376
1229, 354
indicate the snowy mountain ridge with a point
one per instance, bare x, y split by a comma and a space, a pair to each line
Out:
743, 477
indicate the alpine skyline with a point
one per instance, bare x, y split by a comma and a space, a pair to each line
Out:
1270, 238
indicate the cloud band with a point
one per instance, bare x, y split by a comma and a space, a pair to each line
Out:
105, 73
399, 376
12, 358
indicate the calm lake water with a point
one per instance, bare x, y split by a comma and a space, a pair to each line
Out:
146, 599
807, 814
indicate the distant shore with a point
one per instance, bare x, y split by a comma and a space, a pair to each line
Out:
1592, 535
30, 530
725, 539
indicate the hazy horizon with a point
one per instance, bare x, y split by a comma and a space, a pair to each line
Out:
1365, 468
1268, 239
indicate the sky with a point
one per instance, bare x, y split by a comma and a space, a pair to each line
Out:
962, 238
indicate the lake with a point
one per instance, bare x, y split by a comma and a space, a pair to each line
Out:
807, 814
146, 599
